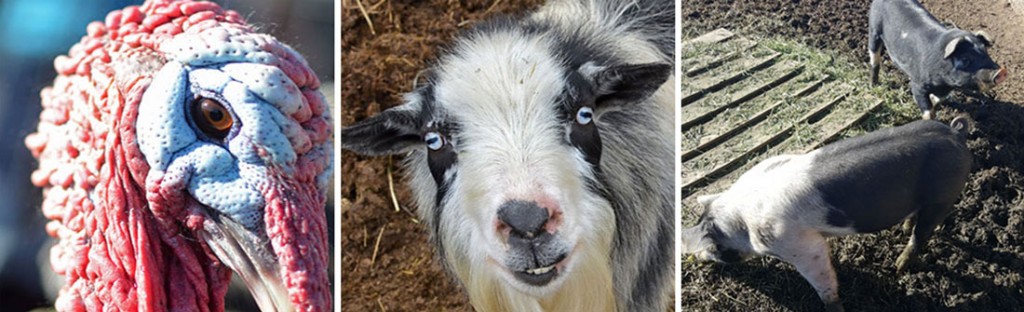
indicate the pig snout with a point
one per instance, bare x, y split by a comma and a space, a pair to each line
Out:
1000, 75
989, 78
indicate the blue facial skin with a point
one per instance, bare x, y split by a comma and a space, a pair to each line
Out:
229, 174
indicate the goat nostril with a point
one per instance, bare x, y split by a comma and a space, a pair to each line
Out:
523, 218
503, 228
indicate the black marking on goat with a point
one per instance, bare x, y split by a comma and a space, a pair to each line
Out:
651, 272
576, 48
656, 20
390, 132
431, 119
439, 197
440, 161
586, 138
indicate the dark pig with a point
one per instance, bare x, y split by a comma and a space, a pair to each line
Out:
937, 59
787, 205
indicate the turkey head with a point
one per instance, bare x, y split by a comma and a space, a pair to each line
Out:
177, 145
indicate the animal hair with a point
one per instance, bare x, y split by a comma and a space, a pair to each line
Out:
504, 96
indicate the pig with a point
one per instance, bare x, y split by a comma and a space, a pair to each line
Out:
786, 206
937, 59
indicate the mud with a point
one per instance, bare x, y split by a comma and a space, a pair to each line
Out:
975, 261
378, 64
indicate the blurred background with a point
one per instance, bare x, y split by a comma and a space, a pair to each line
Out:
32, 33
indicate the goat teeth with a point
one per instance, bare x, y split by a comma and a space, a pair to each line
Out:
539, 271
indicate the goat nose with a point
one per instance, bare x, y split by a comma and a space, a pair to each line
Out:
525, 219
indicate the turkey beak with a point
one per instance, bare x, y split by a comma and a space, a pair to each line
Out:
248, 253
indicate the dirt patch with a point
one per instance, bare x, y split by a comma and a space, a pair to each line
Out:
976, 261
378, 65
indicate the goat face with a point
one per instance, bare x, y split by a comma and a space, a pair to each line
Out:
504, 154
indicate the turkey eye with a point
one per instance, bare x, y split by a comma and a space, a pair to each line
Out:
212, 118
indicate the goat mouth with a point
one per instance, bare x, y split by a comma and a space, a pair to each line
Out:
541, 275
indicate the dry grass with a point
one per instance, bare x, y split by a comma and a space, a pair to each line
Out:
846, 77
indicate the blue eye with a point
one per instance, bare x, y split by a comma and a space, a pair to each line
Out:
585, 115
434, 140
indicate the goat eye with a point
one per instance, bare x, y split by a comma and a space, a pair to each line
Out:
212, 118
434, 140
585, 115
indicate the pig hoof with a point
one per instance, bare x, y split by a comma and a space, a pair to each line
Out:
927, 115
908, 225
834, 307
903, 263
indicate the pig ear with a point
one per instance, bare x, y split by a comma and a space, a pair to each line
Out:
986, 39
951, 46
706, 200
393, 131
621, 84
691, 238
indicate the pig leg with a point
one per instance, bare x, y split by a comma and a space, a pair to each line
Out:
876, 61
922, 100
936, 100
928, 218
908, 224
808, 252
874, 51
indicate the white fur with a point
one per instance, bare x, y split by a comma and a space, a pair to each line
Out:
775, 197
501, 91
501, 87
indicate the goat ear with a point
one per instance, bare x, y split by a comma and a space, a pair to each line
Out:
393, 131
986, 39
951, 46
620, 84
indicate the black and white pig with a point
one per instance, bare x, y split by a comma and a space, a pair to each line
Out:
540, 155
937, 59
787, 205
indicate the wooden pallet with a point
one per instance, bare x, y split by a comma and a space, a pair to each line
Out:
733, 116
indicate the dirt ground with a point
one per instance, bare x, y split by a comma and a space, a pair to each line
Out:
976, 261
379, 63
